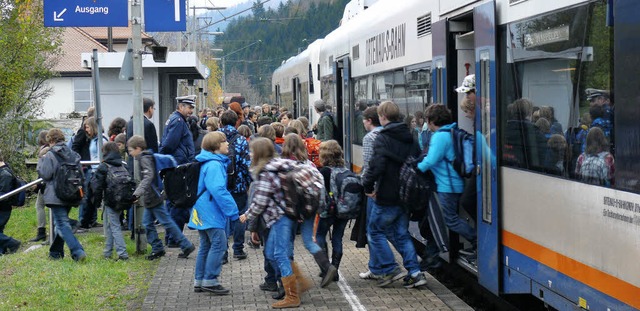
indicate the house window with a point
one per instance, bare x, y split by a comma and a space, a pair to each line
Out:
82, 94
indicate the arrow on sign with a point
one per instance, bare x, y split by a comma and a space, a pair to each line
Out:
56, 17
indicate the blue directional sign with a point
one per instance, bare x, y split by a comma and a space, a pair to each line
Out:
86, 13
165, 15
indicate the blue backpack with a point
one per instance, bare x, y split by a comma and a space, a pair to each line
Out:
162, 161
463, 147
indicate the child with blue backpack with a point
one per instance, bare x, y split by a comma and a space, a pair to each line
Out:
153, 201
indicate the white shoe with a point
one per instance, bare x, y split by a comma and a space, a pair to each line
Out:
368, 275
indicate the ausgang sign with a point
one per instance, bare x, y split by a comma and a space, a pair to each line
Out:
86, 13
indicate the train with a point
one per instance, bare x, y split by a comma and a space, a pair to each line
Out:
542, 230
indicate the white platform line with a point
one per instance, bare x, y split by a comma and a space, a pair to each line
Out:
349, 295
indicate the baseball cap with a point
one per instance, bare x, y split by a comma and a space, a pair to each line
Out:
468, 84
189, 99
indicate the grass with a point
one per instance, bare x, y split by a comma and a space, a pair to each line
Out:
31, 281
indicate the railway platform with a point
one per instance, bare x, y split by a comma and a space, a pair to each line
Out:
172, 286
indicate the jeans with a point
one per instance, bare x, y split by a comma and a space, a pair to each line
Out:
63, 234
336, 235
306, 231
449, 203
5, 240
390, 223
209, 261
160, 213
88, 213
269, 266
238, 228
279, 246
373, 262
180, 217
113, 233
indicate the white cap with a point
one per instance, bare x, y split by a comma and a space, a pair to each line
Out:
189, 99
468, 84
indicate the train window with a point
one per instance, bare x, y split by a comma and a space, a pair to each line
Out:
418, 89
556, 87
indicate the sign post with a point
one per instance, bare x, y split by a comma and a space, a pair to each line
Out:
85, 13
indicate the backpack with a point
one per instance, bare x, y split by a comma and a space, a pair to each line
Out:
463, 148
304, 191
594, 169
347, 193
181, 184
232, 174
120, 187
69, 180
162, 161
415, 187
313, 150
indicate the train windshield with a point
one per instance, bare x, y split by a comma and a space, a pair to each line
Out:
556, 101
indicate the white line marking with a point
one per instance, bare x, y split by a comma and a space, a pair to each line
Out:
176, 10
348, 294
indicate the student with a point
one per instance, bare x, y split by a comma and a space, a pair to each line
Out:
40, 213
269, 203
8, 245
210, 212
111, 216
153, 202
47, 167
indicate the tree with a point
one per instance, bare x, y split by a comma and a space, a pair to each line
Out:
239, 83
28, 54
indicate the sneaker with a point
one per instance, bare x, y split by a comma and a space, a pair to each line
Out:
269, 287
412, 282
80, 258
240, 255
197, 289
13, 248
156, 255
185, 253
96, 225
391, 277
216, 290
368, 275
468, 252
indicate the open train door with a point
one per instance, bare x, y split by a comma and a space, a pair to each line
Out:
488, 226
342, 76
297, 96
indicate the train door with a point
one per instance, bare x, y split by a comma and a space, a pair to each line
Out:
297, 97
343, 105
488, 227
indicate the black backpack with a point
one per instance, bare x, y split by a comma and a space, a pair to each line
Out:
415, 187
347, 193
69, 181
232, 174
120, 188
181, 184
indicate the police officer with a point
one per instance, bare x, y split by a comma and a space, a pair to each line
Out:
178, 142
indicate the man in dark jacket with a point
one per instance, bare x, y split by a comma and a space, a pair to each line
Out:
178, 142
389, 220
8, 245
150, 135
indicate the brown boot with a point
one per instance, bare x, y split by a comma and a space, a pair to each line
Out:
303, 282
291, 298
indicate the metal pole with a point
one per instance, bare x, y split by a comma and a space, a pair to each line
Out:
138, 118
96, 88
224, 74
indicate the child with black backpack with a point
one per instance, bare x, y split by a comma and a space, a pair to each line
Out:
8, 245
112, 182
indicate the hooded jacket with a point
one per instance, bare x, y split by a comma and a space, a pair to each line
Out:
215, 204
243, 158
47, 166
439, 159
390, 149
99, 179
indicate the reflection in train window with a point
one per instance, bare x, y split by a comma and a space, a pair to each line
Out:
556, 86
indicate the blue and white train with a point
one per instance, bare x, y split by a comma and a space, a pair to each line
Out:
542, 229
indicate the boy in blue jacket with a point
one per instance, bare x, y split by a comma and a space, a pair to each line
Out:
211, 211
450, 184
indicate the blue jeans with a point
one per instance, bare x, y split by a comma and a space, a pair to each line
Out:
180, 216
238, 228
336, 235
269, 266
113, 233
306, 231
63, 234
449, 203
160, 213
279, 247
88, 213
213, 243
5, 240
373, 259
390, 223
